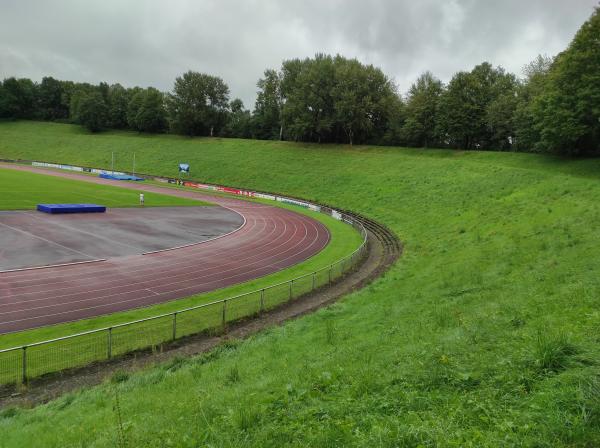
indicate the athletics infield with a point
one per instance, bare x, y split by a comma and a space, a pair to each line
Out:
241, 241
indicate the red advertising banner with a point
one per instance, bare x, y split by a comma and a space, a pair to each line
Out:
249, 194
229, 190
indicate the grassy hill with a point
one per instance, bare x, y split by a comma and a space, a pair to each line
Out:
485, 333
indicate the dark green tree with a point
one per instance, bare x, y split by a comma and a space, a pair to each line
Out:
527, 136
457, 112
309, 111
421, 111
269, 107
500, 114
468, 115
239, 121
104, 90
332, 99
133, 107
50, 100
91, 110
4, 103
18, 98
68, 89
567, 113
118, 100
362, 98
151, 116
77, 92
198, 104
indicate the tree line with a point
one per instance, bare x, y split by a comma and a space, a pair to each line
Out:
553, 107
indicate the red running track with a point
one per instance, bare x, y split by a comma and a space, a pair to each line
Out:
271, 239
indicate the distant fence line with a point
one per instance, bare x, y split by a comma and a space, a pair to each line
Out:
19, 364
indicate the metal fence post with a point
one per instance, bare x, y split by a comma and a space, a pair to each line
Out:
224, 307
24, 366
175, 325
109, 343
314, 279
291, 285
262, 300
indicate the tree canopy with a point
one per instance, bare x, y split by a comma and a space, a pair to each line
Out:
554, 107
198, 104
268, 108
91, 110
421, 111
472, 109
146, 111
334, 99
567, 111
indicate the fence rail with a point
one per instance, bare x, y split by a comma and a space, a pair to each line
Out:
19, 364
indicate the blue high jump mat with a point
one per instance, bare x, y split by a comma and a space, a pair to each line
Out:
71, 208
119, 177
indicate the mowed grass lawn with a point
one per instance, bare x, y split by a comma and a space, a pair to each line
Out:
21, 190
485, 333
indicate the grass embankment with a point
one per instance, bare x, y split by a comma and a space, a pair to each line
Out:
22, 191
484, 334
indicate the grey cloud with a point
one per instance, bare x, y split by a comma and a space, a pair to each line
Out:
151, 42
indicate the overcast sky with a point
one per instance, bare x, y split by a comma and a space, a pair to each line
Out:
150, 42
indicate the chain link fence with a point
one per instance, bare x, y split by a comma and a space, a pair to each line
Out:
19, 364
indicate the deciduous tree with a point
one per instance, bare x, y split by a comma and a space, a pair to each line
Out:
567, 114
269, 107
92, 111
198, 104
17, 98
421, 111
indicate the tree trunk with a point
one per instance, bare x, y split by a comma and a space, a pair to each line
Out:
350, 134
211, 130
281, 132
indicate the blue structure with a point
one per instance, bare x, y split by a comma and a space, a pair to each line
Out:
71, 208
119, 177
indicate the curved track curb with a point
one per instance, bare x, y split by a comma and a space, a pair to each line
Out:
60, 265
